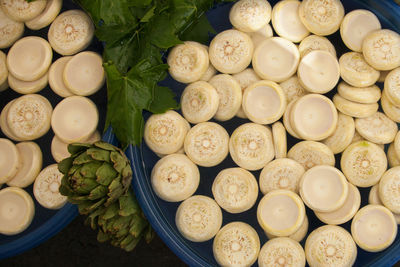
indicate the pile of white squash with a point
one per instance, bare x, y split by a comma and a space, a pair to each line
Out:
287, 79
27, 69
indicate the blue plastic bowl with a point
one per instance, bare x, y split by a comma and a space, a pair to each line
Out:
47, 223
161, 214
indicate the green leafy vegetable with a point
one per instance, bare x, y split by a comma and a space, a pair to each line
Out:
136, 34
199, 31
112, 12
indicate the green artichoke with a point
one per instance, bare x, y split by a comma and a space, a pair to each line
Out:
122, 223
97, 178
95, 175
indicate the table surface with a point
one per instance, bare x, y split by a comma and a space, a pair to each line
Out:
76, 245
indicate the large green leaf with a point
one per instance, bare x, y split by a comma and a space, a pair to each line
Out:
112, 12
136, 34
199, 31
129, 95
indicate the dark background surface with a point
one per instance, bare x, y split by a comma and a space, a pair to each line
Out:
76, 245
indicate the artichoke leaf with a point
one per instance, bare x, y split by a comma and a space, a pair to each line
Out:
122, 223
92, 222
118, 160
115, 194
102, 237
108, 225
90, 206
65, 189
65, 165
78, 200
101, 222
75, 182
126, 176
115, 185
86, 186
75, 172
105, 146
99, 154
106, 174
127, 171
96, 205
138, 226
93, 218
115, 243
127, 240
111, 211
89, 169
132, 245
75, 200
73, 169
98, 212
76, 148
82, 159
83, 209
128, 204
121, 233
149, 234
99, 192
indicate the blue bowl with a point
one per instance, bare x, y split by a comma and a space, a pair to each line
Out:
161, 214
47, 223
